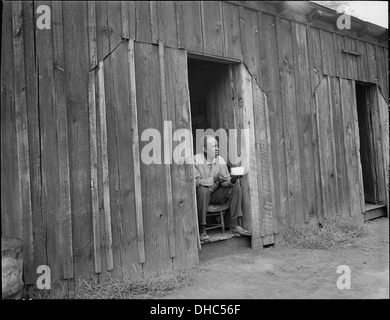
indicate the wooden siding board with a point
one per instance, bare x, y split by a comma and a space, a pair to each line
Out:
340, 149
302, 85
327, 50
384, 125
167, 145
315, 57
250, 41
49, 150
271, 86
290, 124
315, 63
167, 28
182, 175
125, 20
212, 28
157, 256
126, 223
251, 205
33, 129
339, 56
143, 21
116, 200
114, 24
372, 68
382, 71
363, 73
136, 156
350, 147
192, 25
22, 138
93, 136
132, 19
231, 23
102, 34
64, 214
75, 26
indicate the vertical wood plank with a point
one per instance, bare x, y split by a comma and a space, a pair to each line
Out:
350, 146
250, 41
183, 181
264, 167
357, 154
114, 23
10, 206
33, 130
248, 160
328, 58
154, 21
315, 63
75, 31
167, 28
65, 214
192, 24
338, 45
143, 22
152, 175
340, 148
93, 136
106, 185
305, 125
136, 156
382, 71
231, 23
22, 144
383, 108
363, 73
373, 75
102, 32
271, 86
126, 223
179, 23
212, 28
167, 145
49, 149
290, 124
132, 19
125, 20
315, 57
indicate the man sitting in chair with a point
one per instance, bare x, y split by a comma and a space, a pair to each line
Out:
214, 185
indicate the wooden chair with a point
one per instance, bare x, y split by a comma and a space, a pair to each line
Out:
217, 210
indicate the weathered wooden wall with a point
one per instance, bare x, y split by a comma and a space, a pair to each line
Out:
75, 100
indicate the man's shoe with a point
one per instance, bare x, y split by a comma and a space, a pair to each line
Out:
204, 237
241, 231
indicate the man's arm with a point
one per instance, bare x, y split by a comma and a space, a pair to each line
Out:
225, 178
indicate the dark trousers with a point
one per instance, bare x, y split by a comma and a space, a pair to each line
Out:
233, 195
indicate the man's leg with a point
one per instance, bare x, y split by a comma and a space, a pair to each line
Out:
233, 195
202, 201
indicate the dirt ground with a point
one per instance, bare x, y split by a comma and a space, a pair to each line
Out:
285, 273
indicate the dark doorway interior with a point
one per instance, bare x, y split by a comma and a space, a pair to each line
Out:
367, 150
210, 96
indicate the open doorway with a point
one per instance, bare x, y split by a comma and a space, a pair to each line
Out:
370, 148
212, 107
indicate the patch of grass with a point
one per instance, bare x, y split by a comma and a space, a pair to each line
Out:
126, 287
333, 234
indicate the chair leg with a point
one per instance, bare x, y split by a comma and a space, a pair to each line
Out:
222, 222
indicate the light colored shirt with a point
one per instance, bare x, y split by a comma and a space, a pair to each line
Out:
212, 175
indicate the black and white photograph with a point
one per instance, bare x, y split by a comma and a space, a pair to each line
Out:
194, 156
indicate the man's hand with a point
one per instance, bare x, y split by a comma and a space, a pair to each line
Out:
208, 182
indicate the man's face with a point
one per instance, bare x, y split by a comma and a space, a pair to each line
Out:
212, 148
